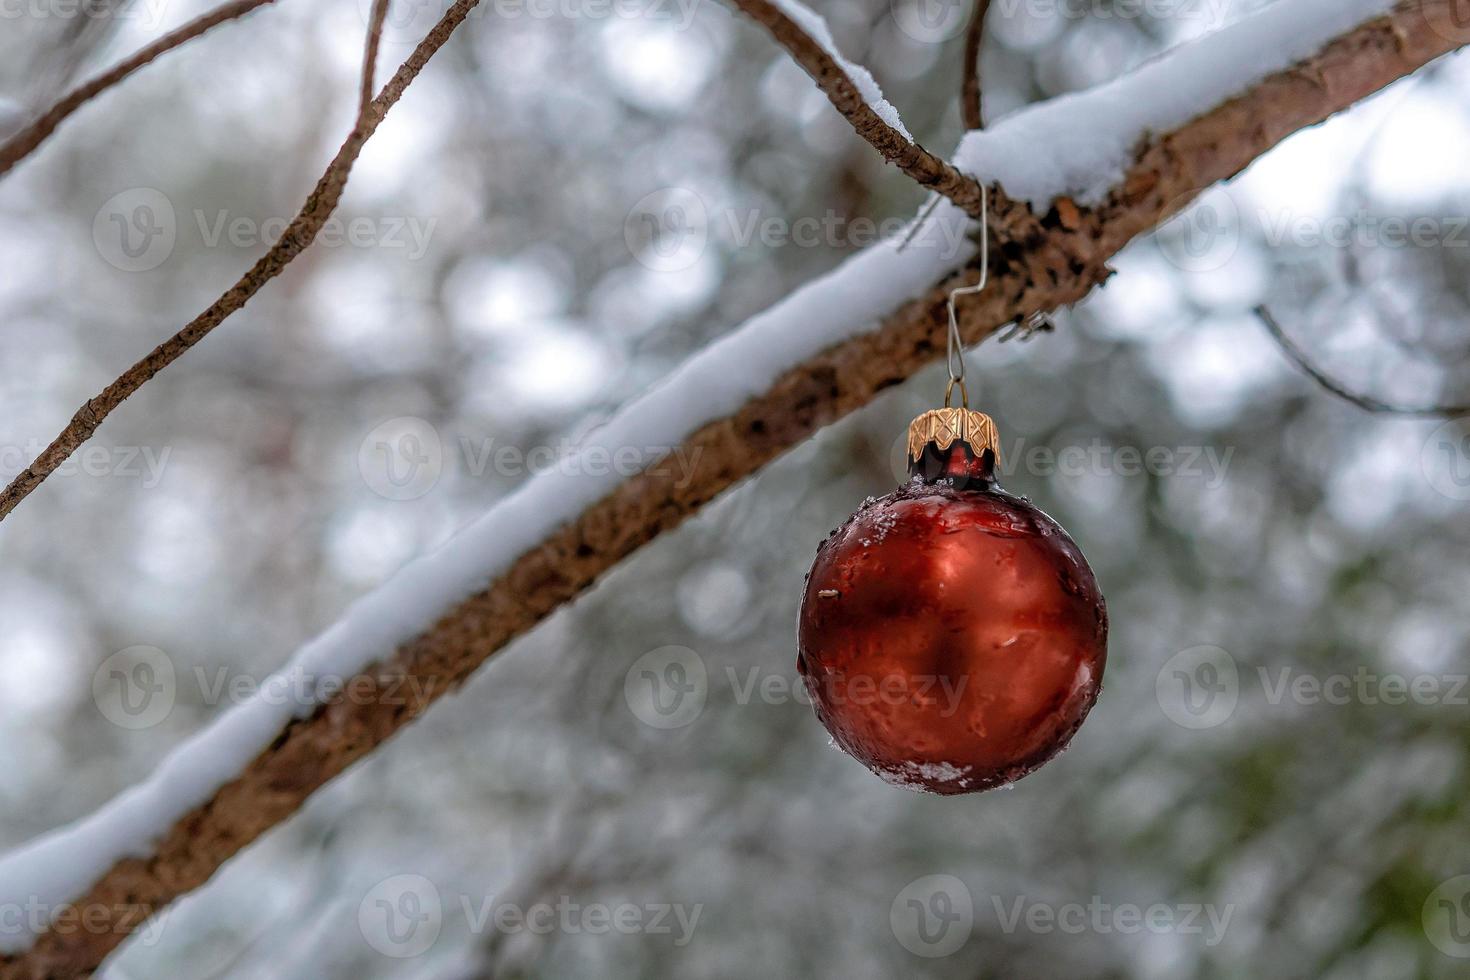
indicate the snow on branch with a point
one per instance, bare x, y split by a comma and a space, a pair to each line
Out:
1079, 145
819, 354
817, 30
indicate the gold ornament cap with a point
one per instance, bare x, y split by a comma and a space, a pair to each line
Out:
943, 427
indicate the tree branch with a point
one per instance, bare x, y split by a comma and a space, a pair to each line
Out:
971, 109
1366, 402
1025, 276
896, 147
20, 145
370, 54
294, 240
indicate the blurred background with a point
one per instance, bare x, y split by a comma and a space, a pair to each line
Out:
1274, 780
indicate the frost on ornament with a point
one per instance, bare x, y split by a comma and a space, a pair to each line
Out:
951, 635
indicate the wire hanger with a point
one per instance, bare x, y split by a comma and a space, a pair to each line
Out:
954, 358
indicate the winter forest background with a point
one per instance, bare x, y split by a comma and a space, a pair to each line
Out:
570, 201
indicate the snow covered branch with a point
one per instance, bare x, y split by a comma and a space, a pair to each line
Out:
1148, 143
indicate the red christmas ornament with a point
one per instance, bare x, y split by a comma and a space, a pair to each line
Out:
951, 635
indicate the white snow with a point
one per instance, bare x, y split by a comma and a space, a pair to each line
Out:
1077, 145
1080, 144
816, 28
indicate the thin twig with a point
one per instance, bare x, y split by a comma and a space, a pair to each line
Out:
20, 145
971, 109
926, 168
1367, 403
311, 751
370, 53
298, 235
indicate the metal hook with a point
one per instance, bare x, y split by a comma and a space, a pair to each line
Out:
955, 347
1027, 327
